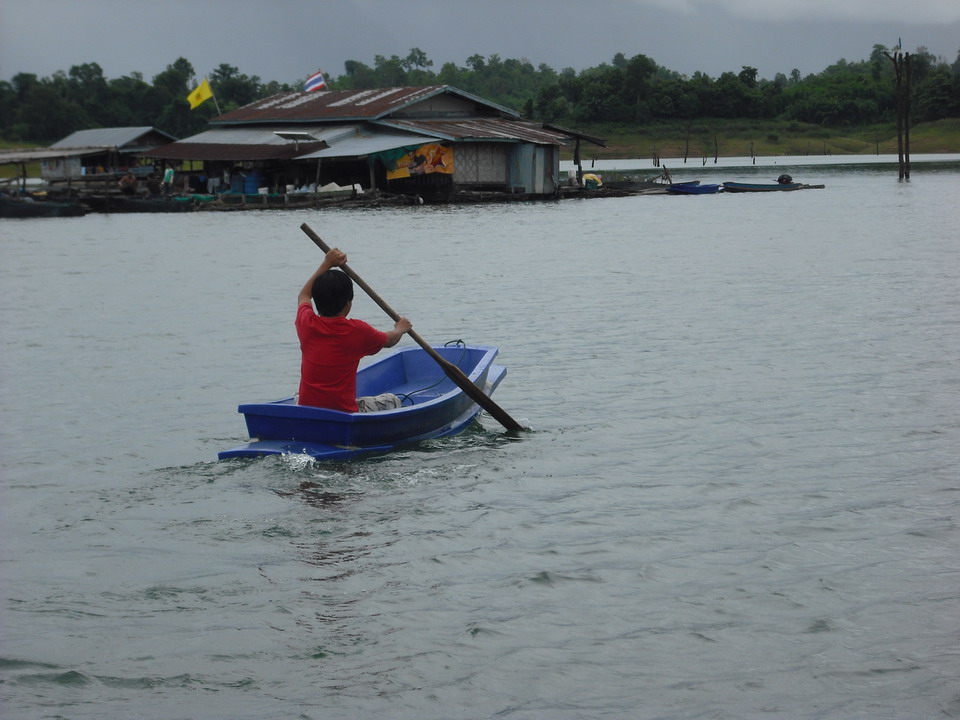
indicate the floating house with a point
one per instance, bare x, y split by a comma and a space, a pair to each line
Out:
433, 141
101, 151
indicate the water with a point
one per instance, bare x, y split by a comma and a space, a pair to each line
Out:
739, 497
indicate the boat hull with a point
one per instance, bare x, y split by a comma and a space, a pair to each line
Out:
735, 187
44, 208
123, 204
434, 406
693, 189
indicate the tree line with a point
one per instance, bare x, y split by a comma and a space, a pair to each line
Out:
626, 92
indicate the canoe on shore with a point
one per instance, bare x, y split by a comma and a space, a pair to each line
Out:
433, 406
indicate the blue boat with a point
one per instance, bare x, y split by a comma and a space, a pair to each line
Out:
692, 188
433, 406
760, 187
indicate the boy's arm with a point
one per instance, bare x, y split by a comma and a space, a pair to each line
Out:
334, 258
400, 327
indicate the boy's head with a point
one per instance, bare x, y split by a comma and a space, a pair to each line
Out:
331, 292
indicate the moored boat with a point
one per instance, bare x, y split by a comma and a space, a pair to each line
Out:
15, 208
433, 406
693, 188
125, 204
738, 187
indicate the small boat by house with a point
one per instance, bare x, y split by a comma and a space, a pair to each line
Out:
634, 183
738, 187
693, 188
127, 204
433, 406
30, 208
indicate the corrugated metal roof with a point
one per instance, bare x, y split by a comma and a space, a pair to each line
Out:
366, 143
481, 129
267, 135
251, 143
345, 105
230, 152
262, 143
106, 137
38, 154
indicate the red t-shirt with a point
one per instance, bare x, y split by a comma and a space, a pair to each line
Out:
331, 349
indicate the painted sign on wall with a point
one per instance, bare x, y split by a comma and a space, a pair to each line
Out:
423, 160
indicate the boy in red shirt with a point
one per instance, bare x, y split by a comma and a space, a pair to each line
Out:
332, 345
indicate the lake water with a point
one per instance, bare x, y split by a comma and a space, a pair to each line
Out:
739, 496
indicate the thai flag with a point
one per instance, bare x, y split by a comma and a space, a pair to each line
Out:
315, 82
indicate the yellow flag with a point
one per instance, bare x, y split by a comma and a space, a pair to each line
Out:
200, 94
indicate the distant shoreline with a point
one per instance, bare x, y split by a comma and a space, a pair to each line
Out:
675, 164
743, 138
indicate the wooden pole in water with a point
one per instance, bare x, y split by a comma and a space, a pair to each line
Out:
898, 65
906, 121
897, 60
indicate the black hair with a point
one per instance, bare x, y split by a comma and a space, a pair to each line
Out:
331, 292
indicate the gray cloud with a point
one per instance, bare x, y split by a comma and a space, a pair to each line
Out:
285, 40
915, 12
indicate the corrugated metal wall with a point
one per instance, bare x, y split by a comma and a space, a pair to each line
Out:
523, 167
480, 163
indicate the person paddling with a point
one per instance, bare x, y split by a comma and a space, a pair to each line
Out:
332, 345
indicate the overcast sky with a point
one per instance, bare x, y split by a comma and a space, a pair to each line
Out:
286, 40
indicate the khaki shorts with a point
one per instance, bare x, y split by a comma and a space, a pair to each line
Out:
387, 401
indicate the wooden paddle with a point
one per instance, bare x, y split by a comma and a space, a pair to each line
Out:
449, 369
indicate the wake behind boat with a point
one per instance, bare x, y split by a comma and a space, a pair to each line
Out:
433, 406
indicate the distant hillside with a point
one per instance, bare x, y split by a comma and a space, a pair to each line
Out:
741, 139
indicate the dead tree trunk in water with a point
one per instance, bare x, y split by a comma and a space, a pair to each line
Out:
901, 70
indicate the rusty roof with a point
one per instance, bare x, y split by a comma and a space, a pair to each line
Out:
263, 142
348, 105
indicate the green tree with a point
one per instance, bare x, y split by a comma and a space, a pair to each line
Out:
359, 76
171, 88
637, 77
232, 88
7, 104
417, 60
938, 96
44, 114
390, 71
132, 102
